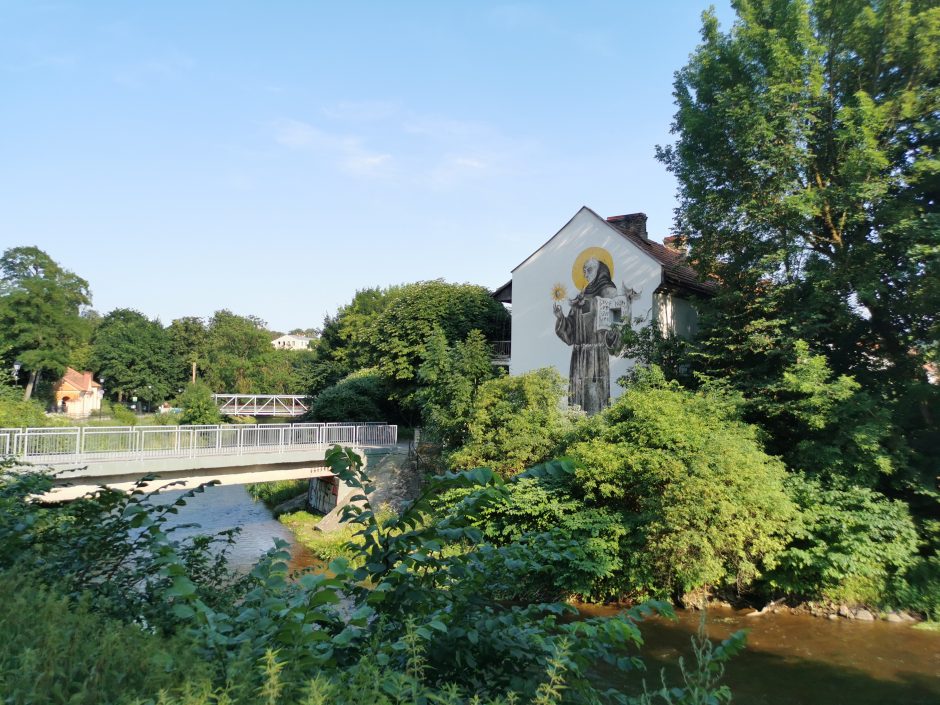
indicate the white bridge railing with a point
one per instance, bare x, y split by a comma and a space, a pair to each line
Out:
85, 443
262, 404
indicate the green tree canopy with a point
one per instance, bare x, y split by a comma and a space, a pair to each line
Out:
235, 345
450, 377
806, 156
132, 353
189, 348
399, 335
40, 305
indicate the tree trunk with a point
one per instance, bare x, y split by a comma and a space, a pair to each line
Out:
31, 384
194, 373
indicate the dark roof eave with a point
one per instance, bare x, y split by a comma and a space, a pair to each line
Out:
504, 293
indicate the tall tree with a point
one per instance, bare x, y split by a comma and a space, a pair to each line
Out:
806, 156
398, 337
40, 303
132, 353
235, 345
189, 343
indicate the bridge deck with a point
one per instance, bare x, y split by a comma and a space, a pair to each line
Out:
77, 445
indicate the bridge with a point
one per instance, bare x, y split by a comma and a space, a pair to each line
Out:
86, 457
281, 405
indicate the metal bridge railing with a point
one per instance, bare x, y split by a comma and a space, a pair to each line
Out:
81, 444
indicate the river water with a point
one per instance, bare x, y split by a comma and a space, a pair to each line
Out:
789, 660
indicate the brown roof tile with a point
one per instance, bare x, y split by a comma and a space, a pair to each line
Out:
676, 270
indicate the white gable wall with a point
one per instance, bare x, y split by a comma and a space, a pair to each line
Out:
534, 342
676, 316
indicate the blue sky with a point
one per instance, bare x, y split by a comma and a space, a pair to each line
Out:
274, 157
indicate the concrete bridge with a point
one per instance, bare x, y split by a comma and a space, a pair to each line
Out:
87, 457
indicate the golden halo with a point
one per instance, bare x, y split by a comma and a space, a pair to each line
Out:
577, 269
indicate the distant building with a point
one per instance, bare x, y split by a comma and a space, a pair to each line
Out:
292, 342
572, 297
77, 394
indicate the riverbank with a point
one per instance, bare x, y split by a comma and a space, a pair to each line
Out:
791, 658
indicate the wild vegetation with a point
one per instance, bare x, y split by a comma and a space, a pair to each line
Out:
789, 451
408, 620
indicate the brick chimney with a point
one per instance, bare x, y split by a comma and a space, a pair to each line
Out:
676, 243
630, 224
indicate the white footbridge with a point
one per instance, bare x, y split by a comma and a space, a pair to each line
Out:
87, 456
280, 405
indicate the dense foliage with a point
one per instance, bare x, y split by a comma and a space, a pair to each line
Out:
361, 396
414, 622
451, 377
706, 505
848, 545
132, 353
198, 405
515, 422
806, 156
40, 305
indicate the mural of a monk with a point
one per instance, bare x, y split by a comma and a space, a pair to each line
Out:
589, 377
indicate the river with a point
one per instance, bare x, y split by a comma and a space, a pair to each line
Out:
789, 660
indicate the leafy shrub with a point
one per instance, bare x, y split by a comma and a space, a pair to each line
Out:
450, 378
198, 405
579, 547
848, 545
358, 397
919, 588
16, 413
408, 617
705, 504
56, 650
123, 416
273, 493
516, 422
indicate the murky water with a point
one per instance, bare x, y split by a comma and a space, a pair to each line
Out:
804, 660
220, 508
789, 660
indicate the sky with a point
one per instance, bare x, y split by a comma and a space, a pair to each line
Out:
272, 158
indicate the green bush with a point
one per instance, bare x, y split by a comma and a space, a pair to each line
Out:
123, 416
919, 588
273, 493
580, 548
516, 422
198, 405
16, 413
848, 545
358, 397
705, 504
56, 650
415, 615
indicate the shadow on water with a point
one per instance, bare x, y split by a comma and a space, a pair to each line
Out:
801, 660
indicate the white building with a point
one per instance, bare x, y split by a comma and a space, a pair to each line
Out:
292, 342
570, 297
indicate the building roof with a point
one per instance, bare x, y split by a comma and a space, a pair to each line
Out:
676, 270
677, 274
80, 381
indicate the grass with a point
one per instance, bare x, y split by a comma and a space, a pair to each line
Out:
326, 545
928, 626
273, 493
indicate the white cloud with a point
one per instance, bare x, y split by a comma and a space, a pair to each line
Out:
350, 153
